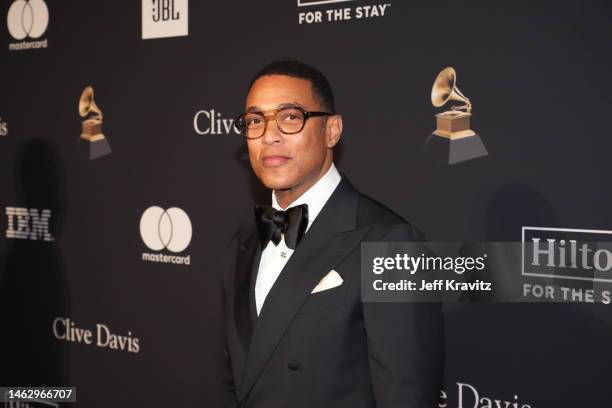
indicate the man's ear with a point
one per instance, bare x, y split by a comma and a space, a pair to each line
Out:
333, 130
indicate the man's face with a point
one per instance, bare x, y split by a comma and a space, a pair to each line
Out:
292, 161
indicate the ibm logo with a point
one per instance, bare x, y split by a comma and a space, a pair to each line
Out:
24, 223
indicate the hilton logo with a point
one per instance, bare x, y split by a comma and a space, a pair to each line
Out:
164, 18
332, 11
577, 254
304, 3
24, 223
577, 263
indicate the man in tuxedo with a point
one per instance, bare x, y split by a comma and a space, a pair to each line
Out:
297, 332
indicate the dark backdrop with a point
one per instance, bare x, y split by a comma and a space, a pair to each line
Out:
536, 72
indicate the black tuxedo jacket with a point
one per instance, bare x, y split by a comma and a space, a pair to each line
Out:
328, 349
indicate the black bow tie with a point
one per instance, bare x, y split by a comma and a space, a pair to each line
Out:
272, 223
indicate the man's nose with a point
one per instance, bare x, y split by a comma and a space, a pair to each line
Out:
272, 133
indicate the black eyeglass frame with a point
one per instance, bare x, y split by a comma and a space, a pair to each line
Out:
239, 122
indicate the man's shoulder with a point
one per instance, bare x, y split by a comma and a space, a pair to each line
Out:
372, 213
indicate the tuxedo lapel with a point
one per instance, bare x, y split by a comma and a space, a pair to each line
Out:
330, 238
247, 261
254, 273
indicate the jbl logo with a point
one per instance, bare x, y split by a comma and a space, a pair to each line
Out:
163, 10
165, 18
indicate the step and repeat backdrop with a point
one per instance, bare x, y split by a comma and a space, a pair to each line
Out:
122, 178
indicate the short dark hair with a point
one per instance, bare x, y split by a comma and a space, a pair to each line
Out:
320, 85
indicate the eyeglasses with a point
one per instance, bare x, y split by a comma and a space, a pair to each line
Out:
291, 120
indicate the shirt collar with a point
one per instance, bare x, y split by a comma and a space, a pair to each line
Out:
316, 196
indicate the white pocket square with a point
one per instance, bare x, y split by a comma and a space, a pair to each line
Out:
331, 280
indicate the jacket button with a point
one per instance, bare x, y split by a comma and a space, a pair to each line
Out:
294, 365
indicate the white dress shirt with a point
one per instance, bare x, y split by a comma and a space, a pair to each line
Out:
274, 257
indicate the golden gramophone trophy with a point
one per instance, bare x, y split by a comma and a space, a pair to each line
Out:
92, 126
453, 141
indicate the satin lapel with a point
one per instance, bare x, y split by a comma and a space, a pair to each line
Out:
247, 257
254, 273
331, 238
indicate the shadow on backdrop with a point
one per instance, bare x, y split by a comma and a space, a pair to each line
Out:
565, 339
33, 287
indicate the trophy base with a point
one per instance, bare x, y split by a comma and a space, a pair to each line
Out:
97, 146
453, 125
446, 150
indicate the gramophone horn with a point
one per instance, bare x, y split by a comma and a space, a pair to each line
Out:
445, 89
87, 104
